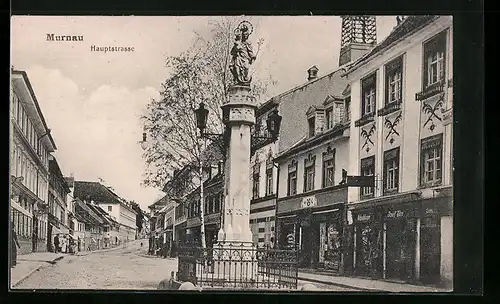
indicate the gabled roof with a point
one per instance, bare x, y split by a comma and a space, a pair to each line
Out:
95, 191
332, 98
87, 213
313, 109
410, 25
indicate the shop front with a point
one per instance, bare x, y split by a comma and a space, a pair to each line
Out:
314, 224
212, 226
436, 265
368, 234
400, 225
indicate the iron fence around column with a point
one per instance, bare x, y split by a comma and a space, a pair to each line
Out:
238, 267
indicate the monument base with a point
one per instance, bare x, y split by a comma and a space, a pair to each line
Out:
235, 264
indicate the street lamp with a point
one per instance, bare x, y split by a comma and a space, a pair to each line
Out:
273, 123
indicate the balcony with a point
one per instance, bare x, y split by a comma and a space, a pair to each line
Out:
367, 118
430, 91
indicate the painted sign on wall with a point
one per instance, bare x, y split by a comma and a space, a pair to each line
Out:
308, 202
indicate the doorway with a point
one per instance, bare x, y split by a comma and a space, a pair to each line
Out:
309, 249
430, 250
34, 239
50, 247
400, 249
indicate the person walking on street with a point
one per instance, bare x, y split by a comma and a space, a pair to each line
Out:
14, 247
56, 243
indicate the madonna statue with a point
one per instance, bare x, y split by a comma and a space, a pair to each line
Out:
242, 55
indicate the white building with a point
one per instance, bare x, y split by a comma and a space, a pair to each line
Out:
401, 133
119, 209
30, 146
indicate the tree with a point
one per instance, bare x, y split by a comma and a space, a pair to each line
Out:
201, 74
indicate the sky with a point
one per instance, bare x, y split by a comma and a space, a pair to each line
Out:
92, 101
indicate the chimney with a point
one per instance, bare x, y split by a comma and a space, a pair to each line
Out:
312, 73
359, 35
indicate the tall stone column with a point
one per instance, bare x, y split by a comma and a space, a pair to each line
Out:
239, 115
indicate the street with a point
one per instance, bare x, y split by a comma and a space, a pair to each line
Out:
127, 268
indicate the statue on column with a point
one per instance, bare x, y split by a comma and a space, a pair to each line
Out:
242, 54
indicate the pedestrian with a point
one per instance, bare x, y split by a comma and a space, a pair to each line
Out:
14, 247
64, 245
56, 243
79, 243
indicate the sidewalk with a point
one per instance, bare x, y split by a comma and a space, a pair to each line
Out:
27, 264
366, 284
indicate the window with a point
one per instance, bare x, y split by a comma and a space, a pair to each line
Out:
434, 60
431, 161
367, 169
391, 170
368, 93
292, 178
309, 173
262, 229
338, 112
311, 122
269, 174
328, 167
393, 81
348, 108
329, 118
256, 179
110, 208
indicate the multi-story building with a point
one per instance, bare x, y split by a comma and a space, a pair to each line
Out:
311, 197
401, 133
320, 102
264, 175
30, 146
119, 210
58, 203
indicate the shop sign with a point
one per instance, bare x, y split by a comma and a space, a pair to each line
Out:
447, 117
309, 202
395, 214
363, 217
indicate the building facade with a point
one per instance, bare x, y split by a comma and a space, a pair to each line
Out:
311, 196
59, 200
401, 133
30, 147
264, 176
121, 225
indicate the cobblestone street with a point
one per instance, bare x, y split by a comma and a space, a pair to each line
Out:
124, 268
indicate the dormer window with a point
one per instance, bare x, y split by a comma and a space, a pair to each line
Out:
329, 118
312, 125
368, 93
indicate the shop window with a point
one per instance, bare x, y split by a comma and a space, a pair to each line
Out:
368, 94
431, 161
434, 60
393, 81
367, 169
292, 178
309, 168
391, 171
328, 167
